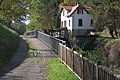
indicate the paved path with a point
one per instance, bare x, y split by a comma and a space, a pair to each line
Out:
28, 67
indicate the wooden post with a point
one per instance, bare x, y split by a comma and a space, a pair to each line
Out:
66, 55
73, 57
83, 66
97, 72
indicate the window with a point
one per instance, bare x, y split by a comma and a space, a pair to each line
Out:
63, 13
69, 22
82, 11
65, 23
91, 22
61, 24
78, 11
80, 22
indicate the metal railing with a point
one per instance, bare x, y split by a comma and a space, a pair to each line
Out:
50, 40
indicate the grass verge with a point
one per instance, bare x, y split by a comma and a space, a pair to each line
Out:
9, 41
31, 49
59, 71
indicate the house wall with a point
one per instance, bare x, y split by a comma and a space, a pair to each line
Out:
86, 18
81, 31
65, 18
73, 27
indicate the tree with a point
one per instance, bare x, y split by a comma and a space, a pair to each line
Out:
12, 9
71, 2
44, 12
107, 15
19, 27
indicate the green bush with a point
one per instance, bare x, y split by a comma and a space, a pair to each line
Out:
79, 50
92, 55
32, 25
8, 43
96, 54
19, 27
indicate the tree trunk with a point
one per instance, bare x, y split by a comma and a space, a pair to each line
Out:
116, 33
111, 33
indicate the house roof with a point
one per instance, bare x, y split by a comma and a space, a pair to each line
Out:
68, 7
72, 9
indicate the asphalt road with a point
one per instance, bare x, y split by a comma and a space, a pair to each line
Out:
26, 66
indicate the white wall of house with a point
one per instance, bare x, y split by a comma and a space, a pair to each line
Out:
73, 19
63, 17
69, 20
86, 20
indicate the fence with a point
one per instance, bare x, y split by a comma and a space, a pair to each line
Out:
49, 40
84, 68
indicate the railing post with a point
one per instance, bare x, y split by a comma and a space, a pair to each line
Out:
73, 59
83, 66
97, 71
61, 49
65, 54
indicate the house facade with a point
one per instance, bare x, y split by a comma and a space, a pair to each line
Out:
77, 19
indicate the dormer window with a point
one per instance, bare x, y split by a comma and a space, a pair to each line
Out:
78, 11
82, 11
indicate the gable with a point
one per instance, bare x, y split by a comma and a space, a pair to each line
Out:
68, 8
71, 9
76, 9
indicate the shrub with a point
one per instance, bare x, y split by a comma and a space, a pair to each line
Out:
19, 27
8, 44
113, 50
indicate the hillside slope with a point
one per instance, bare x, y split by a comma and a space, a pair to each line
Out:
8, 43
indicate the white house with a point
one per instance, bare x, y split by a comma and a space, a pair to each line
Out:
77, 19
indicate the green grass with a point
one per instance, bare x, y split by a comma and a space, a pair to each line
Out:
58, 71
31, 49
106, 35
9, 40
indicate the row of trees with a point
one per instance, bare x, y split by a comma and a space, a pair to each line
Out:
45, 14
13, 11
107, 16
